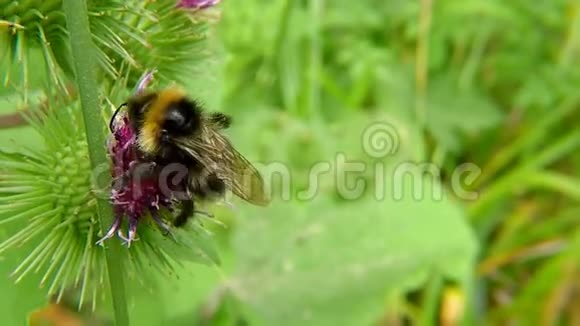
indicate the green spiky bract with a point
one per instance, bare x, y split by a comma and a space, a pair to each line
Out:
134, 35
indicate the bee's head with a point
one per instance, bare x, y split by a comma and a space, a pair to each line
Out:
182, 118
161, 118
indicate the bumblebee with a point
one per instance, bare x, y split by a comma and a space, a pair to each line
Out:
174, 129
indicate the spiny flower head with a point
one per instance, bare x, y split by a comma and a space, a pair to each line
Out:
126, 34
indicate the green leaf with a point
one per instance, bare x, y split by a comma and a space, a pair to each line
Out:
453, 113
301, 264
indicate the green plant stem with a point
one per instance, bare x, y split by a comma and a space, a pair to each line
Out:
422, 68
432, 300
315, 8
83, 54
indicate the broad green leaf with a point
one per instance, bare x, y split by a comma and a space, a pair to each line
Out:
322, 264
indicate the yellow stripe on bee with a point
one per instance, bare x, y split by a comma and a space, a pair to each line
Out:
154, 116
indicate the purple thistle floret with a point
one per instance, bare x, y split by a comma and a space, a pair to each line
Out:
197, 4
136, 191
144, 81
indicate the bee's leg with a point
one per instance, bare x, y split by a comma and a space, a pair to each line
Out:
210, 215
221, 120
166, 229
186, 211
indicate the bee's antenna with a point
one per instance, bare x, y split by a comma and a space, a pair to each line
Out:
115, 115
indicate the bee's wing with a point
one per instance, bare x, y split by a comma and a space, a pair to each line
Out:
216, 153
242, 177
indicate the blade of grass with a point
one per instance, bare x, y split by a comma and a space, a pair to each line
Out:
564, 184
432, 300
529, 174
535, 134
421, 61
315, 60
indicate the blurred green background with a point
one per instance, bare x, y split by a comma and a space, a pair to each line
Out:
490, 83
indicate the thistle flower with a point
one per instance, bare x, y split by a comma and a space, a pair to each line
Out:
197, 4
137, 191
49, 193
